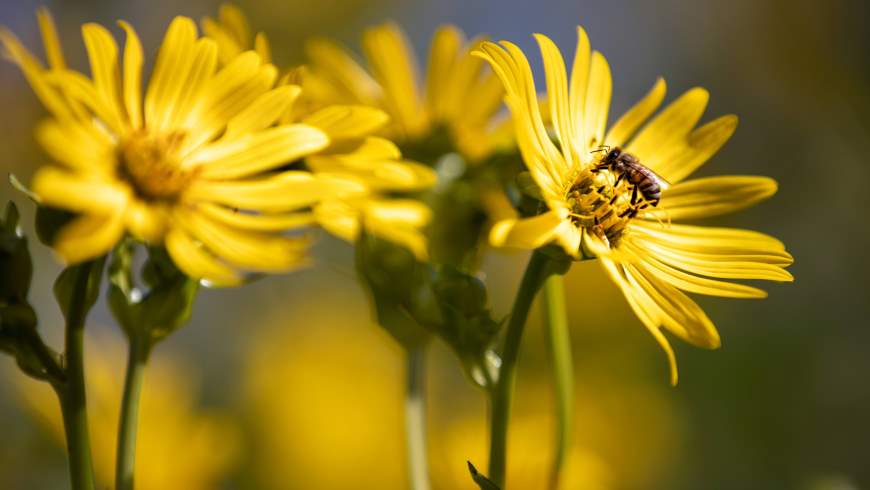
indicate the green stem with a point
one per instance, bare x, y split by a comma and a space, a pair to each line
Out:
501, 394
73, 402
128, 423
415, 419
563, 370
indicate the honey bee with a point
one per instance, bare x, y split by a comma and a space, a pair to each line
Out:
646, 185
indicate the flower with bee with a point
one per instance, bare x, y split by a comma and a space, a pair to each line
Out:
613, 193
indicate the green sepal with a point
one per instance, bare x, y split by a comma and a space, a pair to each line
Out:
165, 304
65, 285
482, 481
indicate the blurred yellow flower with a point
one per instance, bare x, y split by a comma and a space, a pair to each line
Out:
185, 167
369, 167
591, 210
178, 446
459, 95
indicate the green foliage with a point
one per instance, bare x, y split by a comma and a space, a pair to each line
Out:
18, 335
163, 307
413, 300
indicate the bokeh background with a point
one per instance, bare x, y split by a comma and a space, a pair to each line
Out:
288, 384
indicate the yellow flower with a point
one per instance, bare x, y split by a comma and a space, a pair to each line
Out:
232, 33
191, 166
590, 210
178, 446
459, 96
364, 168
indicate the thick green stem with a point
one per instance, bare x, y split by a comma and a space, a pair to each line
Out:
501, 395
415, 419
129, 421
563, 371
73, 402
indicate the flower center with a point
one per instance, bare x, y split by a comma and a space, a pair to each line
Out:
149, 163
600, 206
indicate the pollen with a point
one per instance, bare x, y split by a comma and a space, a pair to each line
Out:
151, 166
600, 206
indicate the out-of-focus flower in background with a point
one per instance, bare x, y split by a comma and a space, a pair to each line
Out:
180, 444
595, 208
460, 96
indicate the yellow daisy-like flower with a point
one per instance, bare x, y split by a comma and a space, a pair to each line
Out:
364, 168
459, 94
611, 212
190, 166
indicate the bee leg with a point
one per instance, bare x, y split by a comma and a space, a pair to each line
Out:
634, 196
618, 180
655, 203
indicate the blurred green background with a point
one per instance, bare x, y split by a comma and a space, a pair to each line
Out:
288, 384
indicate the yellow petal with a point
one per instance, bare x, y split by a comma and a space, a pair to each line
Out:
625, 127
198, 263
81, 90
399, 221
203, 63
103, 56
146, 222
261, 47
77, 146
597, 101
342, 122
446, 43
712, 196
658, 138
461, 91
644, 310
133, 58
257, 152
527, 233
283, 192
698, 147
263, 112
579, 87
676, 311
35, 74
170, 71
394, 67
557, 96
343, 71
234, 88
694, 283
339, 218
256, 222
251, 250
76, 193
53, 51
88, 237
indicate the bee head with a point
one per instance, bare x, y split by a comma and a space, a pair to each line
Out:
614, 153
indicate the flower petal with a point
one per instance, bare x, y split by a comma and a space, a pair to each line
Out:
700, 145
343, 71
197, 262
133, 59
712, 196
283, 192
77, 146
53, 51
263, 112
103, 56
251, 250
170, 71
658, 138
526, 233
446, 43
343, 122
256, 222
258, 152
76, 193
557, 96
88, 237
625, 127
597, 101
394, 67
399, 221
579, 86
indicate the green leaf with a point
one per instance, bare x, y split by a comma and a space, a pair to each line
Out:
16, 267
483, 482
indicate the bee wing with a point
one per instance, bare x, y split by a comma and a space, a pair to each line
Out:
664, 184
